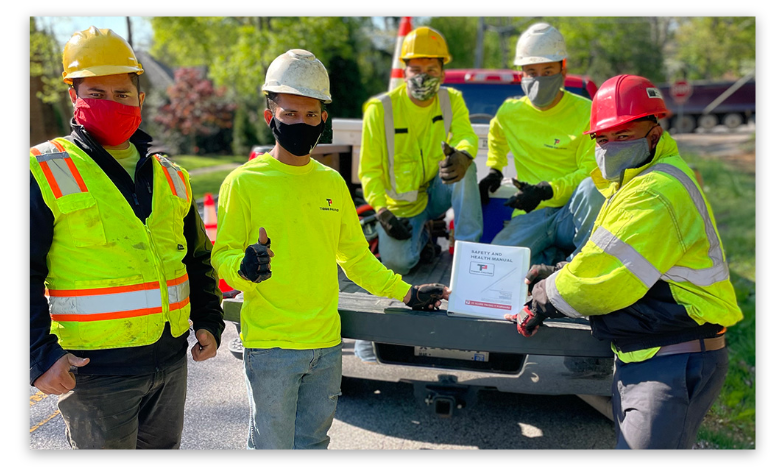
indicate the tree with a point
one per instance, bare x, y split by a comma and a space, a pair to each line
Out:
195, 109
716, 48
238, 50
599, 47
46, 81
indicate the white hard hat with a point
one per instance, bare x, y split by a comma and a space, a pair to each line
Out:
298, 72
539, 44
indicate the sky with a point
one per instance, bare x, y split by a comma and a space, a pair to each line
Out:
64, 26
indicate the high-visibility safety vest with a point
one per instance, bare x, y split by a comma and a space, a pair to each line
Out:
653, 272
113, 280
390, 140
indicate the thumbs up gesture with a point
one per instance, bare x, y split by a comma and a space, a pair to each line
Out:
454, 166
256, 265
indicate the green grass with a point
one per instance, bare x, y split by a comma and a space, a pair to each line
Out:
196, 162
208, 182
731, 423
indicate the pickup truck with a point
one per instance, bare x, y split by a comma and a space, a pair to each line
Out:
448, 359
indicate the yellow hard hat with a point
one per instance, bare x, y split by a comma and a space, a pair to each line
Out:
96, 52
424, 42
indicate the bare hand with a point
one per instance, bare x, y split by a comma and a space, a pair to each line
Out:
58, 379
206, 347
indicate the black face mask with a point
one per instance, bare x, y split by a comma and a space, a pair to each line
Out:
299, 139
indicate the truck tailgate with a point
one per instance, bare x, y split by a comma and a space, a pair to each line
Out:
384, 320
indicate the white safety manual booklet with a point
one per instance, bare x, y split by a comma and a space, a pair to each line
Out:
488, 280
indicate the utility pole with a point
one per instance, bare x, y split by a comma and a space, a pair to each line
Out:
129, 32
479, 56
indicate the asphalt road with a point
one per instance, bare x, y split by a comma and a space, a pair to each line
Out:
371, 415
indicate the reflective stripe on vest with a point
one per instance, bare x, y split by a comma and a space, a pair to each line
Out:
640, 266
60, 171
174, 177
390, 139
98, 304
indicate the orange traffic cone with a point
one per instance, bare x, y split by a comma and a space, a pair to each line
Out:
211, 227
210, 220
397, 73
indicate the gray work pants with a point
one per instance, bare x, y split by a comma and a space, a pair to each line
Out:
126, 411
660, 403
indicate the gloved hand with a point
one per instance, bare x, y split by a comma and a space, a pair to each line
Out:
255, 266
489, 184
529, 196
426, 297
539, 272
398, 228
527, 321
454, 167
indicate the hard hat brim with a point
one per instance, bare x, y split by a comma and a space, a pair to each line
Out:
100, 71
538, 60
309, 93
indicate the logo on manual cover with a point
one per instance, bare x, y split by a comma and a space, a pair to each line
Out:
482, 268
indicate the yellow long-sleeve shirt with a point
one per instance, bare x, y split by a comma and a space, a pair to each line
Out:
547, 145
310, 218
419, 133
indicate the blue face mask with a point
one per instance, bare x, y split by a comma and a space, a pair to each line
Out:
542, 90
614, 157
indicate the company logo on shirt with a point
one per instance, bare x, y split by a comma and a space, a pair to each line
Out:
329, 207
555, 144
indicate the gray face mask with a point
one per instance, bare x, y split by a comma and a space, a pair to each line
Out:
542, 90
423, 86
615, 156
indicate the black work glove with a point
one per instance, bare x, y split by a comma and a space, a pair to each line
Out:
489, 184
539, 272
424, 297
454, 167
529, 196
255, 266
398, 228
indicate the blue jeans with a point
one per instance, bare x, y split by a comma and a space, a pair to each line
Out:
126, 411
660, 403
462, 196
292, 395
553, 233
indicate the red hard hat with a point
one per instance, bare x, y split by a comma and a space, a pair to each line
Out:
622, 99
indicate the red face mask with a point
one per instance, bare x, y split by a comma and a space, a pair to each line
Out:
111, 123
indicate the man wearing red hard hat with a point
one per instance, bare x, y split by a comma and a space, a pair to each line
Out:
652, 278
